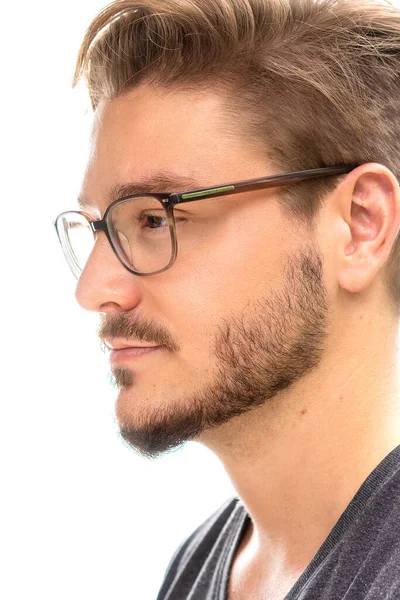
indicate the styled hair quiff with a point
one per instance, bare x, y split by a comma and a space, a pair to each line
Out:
317, 81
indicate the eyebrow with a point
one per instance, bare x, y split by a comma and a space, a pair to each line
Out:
155, 184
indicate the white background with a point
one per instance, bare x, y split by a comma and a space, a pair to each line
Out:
82, 517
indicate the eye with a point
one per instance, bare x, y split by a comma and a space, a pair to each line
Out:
154, 222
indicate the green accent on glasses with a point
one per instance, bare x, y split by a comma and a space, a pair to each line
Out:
228, 188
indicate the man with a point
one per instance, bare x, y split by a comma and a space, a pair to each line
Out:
257, 318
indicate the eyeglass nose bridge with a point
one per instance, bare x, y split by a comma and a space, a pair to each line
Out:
98, 225
101, 225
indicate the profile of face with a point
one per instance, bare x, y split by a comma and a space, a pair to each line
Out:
239, 317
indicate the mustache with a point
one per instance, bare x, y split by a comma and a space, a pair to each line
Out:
123, 326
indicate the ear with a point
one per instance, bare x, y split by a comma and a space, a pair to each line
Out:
368, 201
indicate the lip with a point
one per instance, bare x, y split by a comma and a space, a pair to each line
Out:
119, 344
132, 353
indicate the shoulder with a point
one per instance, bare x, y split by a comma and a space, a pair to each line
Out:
360, 557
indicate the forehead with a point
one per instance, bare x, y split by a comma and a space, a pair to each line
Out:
149, 122
149, 132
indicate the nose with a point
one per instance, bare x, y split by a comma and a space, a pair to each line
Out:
105, 285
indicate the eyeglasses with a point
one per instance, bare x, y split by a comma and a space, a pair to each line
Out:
143, 230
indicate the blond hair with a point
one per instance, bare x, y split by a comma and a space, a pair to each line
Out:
317, 81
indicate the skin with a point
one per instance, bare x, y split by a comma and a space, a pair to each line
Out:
280, 344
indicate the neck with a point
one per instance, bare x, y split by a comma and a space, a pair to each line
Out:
297, 461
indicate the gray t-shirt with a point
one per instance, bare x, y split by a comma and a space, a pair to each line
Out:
359, 560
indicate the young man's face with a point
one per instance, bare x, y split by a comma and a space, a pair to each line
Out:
240, 316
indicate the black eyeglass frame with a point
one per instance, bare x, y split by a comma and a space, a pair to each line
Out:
170, 200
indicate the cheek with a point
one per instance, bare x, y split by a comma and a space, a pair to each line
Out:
244, 263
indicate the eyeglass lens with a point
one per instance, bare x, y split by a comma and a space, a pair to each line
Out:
139, 229
143, 235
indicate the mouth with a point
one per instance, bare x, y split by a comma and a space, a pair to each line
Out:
122, 355
112, 343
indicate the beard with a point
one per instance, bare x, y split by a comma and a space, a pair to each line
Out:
275, 342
